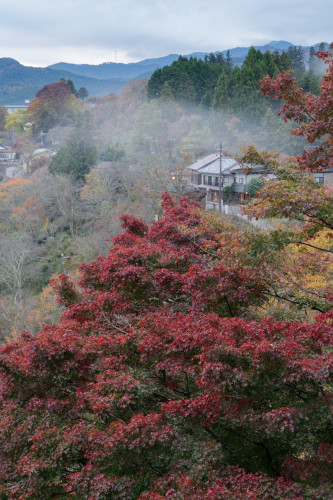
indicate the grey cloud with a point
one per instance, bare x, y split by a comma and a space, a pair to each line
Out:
153, 28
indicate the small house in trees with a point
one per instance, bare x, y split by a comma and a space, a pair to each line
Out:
6, 153
207, 174
326, 175
38, 158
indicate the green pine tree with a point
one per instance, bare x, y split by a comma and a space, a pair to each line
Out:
221, 94
79, 154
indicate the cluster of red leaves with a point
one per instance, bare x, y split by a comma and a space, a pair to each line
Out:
295, 194
161, 267
55, 95
152, 386
65, 290
314, 112
51, 103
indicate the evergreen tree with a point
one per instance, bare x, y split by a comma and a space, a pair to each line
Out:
214, 82
220, 59
296, 57
185, 90
283, 62
269, 65
79, 154
71, 86
211, 58
82, 93
155, 83
196, 77
166, 93
221, 94
207, 99
228, 60
112, 153
3, 115
312, 59
309, 82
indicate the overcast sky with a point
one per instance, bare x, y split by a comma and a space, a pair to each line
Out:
43, 32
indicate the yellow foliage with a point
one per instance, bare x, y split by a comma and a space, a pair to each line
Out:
93, 186
47, 311
313, 268
16, 121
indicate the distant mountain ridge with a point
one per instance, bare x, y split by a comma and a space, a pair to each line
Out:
19, 82
130, 70
119, 70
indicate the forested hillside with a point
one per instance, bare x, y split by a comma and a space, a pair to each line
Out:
175, 353
216, 81
59, 215
19, 82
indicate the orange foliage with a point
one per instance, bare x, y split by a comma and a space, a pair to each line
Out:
46, 312
51, 102
29, 214
12, 190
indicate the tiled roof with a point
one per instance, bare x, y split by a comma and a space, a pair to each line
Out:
211, 164
204, 161
253, 169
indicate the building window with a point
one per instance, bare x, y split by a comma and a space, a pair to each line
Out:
209, 180
217, 181
241, 180
319, 179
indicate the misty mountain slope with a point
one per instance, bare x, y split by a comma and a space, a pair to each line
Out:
148, 66
19, 82
116, 70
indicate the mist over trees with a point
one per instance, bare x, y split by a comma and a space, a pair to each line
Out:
176, 352
143, 147
79, 154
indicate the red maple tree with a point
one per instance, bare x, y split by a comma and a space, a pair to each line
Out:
154, 385
53, 103
296, 194
313, 113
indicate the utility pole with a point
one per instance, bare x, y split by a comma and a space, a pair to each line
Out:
63, 257
11, 144
220, 180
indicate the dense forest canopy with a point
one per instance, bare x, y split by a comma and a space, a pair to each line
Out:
215, 82
232, 94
